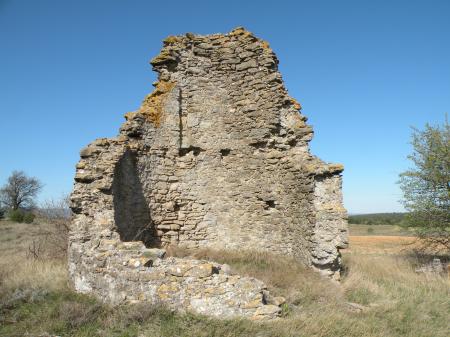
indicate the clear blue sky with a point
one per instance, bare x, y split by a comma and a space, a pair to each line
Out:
364, 72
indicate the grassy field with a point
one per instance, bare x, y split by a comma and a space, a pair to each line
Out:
379, 230
380, 295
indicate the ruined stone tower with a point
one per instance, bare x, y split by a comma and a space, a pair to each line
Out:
217, 156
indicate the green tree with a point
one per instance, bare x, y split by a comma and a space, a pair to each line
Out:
426, 186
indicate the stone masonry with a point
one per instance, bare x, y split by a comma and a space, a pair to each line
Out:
216, 156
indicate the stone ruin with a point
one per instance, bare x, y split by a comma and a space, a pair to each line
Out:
436, 266
216, 157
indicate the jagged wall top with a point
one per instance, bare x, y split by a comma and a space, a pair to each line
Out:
238, 50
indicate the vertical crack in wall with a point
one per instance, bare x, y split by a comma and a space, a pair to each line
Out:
180, 120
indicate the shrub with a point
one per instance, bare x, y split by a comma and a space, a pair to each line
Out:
57, 216
16, 215
28, 217
19, 215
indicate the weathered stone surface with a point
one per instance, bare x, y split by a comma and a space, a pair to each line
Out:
275, 300
216, 156
267, 311
434, 267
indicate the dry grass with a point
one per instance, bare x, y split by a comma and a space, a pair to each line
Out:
380, 230
23, 273
405, 246
391, 299
20, 274
380, 295
381, 244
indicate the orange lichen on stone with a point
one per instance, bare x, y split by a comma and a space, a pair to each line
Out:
152, 107
164, 57
296, 104
240, 31
266, 45
171, 40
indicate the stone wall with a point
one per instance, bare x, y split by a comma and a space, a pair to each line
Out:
217, 156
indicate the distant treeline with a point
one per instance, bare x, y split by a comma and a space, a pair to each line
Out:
378, 219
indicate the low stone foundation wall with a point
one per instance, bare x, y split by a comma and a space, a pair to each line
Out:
128, 272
